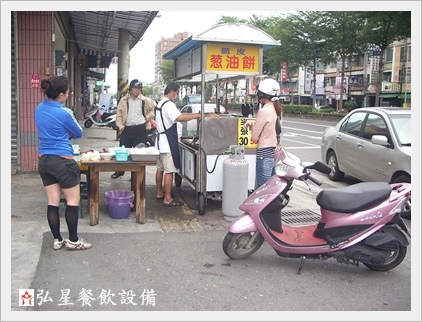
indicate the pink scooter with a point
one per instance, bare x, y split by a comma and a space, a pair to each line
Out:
360, 223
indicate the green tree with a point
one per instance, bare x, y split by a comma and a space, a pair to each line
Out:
167, 71
228, 19
147, 91
306, 38
381, 29
344, 39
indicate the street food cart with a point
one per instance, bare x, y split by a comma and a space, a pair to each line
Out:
225, 52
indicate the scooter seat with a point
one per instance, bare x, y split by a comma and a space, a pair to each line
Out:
353, 198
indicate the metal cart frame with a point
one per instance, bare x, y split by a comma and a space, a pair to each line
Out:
224, 52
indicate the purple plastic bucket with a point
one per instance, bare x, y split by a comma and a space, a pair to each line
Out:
119, 203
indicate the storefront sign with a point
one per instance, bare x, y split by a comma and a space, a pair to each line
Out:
35, 80
372, 89
232, 58
285, 91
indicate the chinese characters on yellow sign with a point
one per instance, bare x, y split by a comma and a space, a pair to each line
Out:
244, 135
232, 58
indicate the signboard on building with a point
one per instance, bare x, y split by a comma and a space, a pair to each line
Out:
390, 87
319, 84
232, 58
284, 72
337, 86
35, 80
374, 70
253, 84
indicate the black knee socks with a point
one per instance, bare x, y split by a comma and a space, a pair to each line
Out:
71, 216
53, 219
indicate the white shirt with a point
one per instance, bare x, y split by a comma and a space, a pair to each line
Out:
170, 113
135, 116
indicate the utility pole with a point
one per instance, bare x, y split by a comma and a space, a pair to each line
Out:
405, 74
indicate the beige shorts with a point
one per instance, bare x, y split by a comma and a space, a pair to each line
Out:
165, 163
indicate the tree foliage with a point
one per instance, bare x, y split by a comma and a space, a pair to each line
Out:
167, 70
309, 38
381, 28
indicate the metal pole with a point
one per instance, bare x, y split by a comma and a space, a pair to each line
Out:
123, 65
405, 78
202, 181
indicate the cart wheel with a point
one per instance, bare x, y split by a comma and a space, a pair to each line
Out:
201, 204
177, 180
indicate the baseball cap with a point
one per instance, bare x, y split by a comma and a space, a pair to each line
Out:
135, 83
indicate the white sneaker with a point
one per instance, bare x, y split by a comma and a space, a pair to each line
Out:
58, 244
78, 245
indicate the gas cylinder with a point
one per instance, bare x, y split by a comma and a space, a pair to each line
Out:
235, 183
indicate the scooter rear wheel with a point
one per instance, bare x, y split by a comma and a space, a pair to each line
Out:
239, 246
395, 258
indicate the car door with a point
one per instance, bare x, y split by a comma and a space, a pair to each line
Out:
346, 142
373, 157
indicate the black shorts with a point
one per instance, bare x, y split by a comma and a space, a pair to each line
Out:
55, 169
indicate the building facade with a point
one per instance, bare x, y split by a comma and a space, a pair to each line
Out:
43, 44
163, 46
360, 80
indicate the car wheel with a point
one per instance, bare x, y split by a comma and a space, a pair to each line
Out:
406, 209
335, 174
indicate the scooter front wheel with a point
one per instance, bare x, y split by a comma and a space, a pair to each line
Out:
114, 126
240, 246
88, 123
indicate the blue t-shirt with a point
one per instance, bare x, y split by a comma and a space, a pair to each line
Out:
55, 123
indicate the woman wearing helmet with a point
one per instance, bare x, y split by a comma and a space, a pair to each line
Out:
264, 129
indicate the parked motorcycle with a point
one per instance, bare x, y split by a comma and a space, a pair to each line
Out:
151, 134
107, 119
360, 223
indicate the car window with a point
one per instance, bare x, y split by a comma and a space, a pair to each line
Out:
403, 128
353, 124
194, 99
375, 125
186, 109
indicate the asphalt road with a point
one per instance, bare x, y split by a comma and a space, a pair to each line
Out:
188, 271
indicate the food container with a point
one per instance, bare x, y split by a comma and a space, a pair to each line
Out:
107, 155
149, 154
122, 154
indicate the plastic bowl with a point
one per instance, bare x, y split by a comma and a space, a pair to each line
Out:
107, 155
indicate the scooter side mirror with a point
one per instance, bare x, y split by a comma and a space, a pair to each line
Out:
320, 167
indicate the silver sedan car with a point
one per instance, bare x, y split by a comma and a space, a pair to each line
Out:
371, 144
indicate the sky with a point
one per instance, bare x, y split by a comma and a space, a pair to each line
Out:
142, 55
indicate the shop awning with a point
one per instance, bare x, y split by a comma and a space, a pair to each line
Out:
389, 95
407, 96
97, 33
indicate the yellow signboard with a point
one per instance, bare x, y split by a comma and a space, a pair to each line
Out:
232, 58
244, 135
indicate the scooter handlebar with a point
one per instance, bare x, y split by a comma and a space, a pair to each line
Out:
314, 180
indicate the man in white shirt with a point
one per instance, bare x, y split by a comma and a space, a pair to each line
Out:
166, 118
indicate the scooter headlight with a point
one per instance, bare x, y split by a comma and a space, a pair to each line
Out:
258, 200
282, 169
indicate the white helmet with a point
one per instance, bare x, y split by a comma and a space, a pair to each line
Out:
269, 87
